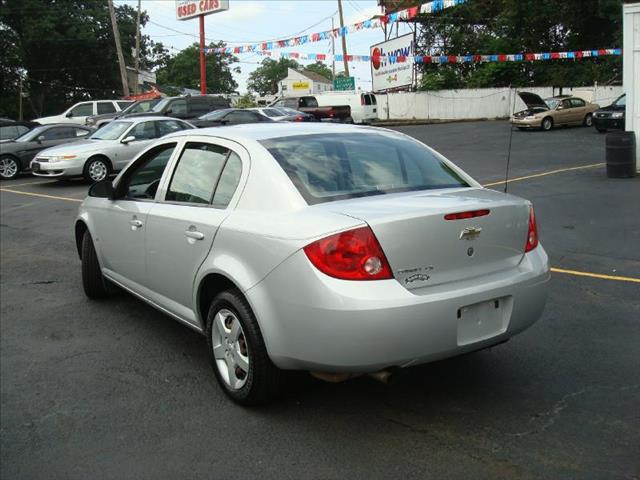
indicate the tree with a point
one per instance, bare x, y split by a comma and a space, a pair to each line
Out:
522, 26
65, 52
183, 70
264, 80
246, 101
321, 69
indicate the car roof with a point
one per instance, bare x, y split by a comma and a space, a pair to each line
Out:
145, 118
264, 131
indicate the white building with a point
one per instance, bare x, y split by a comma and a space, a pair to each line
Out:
303, 83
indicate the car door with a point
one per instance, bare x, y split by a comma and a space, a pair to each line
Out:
49, 138
105, 108
119, 226
564, 113
579, 110
182, 226
79, 113
144, 133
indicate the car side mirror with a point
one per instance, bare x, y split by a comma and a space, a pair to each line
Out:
168, 111
69, 115
559, 107
102, 189
128, 139
41, 139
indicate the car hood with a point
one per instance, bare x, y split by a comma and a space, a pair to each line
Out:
143, 114
52, 119
612, 108
532, 100
75, 148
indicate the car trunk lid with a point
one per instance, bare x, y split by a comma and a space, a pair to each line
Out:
424, 249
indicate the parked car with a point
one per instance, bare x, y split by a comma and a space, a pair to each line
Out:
187, 107
10, 129
555, 111
108, 150
309, 104
141, 106
364, 106
336, 249
79, 112
284, 114
612, 116
16, 155
230, 116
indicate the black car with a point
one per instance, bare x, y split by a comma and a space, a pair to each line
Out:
611, 117
230, 116
10, 129
16, 155
185, 108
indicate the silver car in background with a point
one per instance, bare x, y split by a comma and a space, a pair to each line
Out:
107, 150
335, 249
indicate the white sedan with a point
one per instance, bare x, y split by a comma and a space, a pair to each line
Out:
335, 249
108, 150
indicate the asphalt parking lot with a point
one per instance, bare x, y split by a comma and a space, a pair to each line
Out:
116, 390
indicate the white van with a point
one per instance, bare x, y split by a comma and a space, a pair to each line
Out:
364, 107
79, 112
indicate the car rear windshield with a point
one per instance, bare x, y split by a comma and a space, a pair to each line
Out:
328, 167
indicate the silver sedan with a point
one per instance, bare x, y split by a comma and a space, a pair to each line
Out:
335, 249
108, 150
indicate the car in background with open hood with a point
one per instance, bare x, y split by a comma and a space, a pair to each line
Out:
552, 112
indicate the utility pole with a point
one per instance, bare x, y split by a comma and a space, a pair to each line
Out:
137, 85
333, 49
203, 64
20, 98
116, 35
344, 40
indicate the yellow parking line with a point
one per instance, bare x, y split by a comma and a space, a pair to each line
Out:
544, 174
33, 183
42, 195
596, 275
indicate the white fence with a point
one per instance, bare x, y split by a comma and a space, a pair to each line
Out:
471, 104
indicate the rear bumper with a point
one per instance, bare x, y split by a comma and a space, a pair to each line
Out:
313, 322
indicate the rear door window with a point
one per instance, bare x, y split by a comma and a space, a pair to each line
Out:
106, 107
577, 102
196, 175
334, 167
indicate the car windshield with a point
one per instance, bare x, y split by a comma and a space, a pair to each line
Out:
31, 135
158, 107
289, 111
217, 115
111, 131
328, 167
621, 101
552, 102
140, 107
272, 112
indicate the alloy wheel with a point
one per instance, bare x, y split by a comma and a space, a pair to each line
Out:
230, 349
8, 168
588, 121
97, 170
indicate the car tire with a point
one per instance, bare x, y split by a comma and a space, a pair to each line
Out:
238, 354
588, 120
547, 124
601, 130
93, 282
96, 169
9, 167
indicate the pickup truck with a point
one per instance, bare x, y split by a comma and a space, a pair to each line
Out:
309, 104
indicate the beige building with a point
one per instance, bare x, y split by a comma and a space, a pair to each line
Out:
303, 83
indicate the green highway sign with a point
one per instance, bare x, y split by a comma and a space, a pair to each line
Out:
344, 83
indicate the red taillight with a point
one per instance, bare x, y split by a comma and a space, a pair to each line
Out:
351, 255
463, 215
532, 233
330, 113
299, 118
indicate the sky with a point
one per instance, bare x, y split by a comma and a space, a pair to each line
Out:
252, 21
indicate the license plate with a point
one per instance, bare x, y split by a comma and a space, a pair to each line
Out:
35, 167
485, 320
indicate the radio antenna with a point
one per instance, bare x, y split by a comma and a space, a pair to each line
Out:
506, 174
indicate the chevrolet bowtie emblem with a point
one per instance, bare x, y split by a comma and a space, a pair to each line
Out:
470, 233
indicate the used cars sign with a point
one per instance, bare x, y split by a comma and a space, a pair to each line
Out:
186, 9
387, 73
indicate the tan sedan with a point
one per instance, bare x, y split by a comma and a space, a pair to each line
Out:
555, 111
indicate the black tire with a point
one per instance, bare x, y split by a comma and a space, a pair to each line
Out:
588, 120
264, 381
95, 165
547, 124
601, 130
94, 284
9, 167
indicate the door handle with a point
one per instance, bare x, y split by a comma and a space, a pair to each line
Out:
135, 223
194, 234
